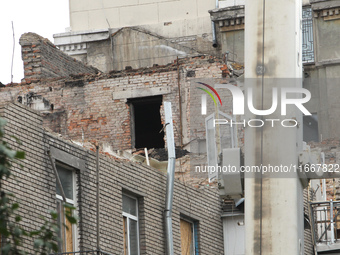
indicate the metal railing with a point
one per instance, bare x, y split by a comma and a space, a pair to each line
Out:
307, 36
325, 219
93, 252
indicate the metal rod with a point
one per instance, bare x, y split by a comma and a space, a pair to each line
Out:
12, 53
57, 176
147, 156
170, 178
325, 213
336, 225
97, 180
180, 105
324, 203
332, 224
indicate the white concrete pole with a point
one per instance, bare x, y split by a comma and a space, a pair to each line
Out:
273, 206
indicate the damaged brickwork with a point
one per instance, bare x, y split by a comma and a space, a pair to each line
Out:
43, 60
95, 107
91, 107
331, 150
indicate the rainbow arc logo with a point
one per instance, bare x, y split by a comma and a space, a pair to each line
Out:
204, 98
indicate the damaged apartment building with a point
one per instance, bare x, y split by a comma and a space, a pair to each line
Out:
64, 107
106, 80
122, 110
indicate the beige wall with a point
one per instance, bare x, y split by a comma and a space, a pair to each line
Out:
170, 18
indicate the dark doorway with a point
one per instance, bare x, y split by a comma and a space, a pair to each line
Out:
146, 122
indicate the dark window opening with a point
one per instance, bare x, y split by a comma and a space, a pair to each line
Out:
146, 122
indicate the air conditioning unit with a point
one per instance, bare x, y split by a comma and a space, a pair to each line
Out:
229, 175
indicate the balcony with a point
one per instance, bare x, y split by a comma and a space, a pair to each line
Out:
325, 223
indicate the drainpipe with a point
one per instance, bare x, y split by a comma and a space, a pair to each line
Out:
97, 202
180, 106
170, 178
214, 28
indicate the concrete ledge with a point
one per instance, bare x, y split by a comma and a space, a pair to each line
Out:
145, 92
324, 4
327, 247
327, 62
227, 13
67, 158
81, 37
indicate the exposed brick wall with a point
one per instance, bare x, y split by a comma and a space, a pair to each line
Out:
43, 60
87, 107
331, 149
35, 186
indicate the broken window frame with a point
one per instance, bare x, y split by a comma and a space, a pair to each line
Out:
127, 217
62, 243
132, 124
194, 228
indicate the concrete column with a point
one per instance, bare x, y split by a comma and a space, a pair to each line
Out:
274, 206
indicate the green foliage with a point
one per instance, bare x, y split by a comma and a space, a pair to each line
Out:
11, 232
45, 238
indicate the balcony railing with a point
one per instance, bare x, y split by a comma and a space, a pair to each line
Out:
307, 36
325, 219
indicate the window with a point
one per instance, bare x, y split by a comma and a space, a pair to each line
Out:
307, 36
189, 236
146, 122
130, 225
67, 231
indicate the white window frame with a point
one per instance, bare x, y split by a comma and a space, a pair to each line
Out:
72, 202
133, 217
211, 143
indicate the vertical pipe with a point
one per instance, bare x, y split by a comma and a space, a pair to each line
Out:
332, 223
170, 178
180, 106
325, 217
97, 182
214, 28
12, 53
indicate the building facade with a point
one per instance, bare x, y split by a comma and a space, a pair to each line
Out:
131, 195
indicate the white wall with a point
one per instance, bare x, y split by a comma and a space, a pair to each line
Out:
228, 3
169, 18
234, 235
